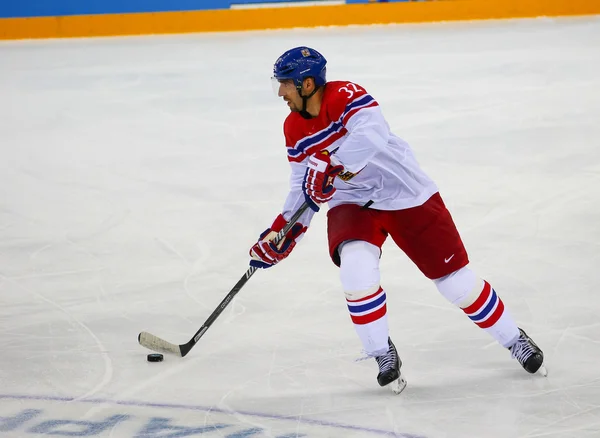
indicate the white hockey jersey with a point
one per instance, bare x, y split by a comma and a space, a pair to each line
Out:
379, 167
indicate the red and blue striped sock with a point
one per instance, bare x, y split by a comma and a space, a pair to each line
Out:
488, 312
369, 315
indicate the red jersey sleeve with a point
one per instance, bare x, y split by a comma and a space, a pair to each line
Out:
341, 102
347, 99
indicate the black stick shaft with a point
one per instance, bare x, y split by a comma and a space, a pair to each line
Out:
185, 348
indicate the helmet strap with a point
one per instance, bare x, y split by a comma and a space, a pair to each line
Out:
305, 114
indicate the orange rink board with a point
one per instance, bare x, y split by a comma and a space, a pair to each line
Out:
282, 18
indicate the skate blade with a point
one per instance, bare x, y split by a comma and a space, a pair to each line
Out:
398, 385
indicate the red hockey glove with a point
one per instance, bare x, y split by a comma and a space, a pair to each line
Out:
265, 253
318, 180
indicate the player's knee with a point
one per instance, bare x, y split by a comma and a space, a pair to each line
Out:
359, 269
461, 288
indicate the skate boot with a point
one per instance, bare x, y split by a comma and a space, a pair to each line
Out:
528, 354
389, 369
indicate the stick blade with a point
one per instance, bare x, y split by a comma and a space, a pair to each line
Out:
155, 343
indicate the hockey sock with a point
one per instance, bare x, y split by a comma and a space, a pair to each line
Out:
369, 316
481, 304
366, 300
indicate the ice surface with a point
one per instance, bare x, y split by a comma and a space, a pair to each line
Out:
136, 172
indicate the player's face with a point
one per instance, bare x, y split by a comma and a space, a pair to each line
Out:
287, 90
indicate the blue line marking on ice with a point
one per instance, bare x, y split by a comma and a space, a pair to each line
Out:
211, 409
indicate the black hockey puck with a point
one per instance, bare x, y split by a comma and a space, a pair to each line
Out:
155, 357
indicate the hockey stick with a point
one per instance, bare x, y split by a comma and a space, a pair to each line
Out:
155, 343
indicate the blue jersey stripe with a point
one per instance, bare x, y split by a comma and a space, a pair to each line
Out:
306, 143
366, 99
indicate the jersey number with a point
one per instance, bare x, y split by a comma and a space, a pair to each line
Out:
354, 87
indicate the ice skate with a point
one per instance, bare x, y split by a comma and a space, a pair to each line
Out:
528, 354
389, 369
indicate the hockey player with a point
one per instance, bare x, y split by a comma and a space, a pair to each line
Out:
342, 152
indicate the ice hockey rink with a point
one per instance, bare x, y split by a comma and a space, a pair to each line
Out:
136, 172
